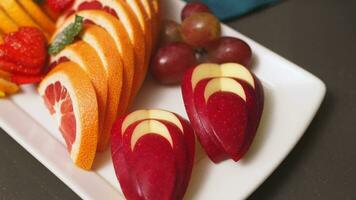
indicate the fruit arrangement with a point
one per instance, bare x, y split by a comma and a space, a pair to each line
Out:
91, 65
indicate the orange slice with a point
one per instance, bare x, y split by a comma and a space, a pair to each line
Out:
38, 15
6, 25
70, 97
135, 34
151, 13
8, 87
86, 57
145, 24
105, 47
117, 31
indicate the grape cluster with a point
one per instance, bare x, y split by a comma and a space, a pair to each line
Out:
196, 40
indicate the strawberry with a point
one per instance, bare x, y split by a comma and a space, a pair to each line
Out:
59, 5
24, 51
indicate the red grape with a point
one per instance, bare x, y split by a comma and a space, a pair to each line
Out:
171, 61
200, 29
229, 49
192, 8
170, 32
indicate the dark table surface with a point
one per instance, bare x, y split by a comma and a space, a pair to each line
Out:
320, 36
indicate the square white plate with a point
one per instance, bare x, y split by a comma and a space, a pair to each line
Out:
292, 97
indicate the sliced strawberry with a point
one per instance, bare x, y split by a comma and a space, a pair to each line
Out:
26, 79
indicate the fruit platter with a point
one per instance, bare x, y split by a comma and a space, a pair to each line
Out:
148, 99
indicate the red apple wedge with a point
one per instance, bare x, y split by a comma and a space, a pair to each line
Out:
136, 130
224, 104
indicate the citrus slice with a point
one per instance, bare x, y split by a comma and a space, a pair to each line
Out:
38, 15
105, 47
117, 31
70, 97
151, 13
6, 25
86, 57
145, 24
8, 87
132, 26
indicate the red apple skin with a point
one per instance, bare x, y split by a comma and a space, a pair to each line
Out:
255, 110
254, 103
183, 148
214, 151
227, 115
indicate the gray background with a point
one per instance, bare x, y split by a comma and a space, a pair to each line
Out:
319, 35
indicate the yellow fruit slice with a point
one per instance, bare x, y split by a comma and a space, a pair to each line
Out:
117, 31
105, 47
18, 14
70, 97
86, 57
2, 94
5, 75
6, 23
38, 15
8, 87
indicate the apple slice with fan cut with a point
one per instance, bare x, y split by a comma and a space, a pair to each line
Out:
213, 96
133, 131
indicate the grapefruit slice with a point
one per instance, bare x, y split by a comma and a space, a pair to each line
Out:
117, 31
49, 12
86, 57
105, 47
38, 15
70, 97
121, 10
6, 25
151, 13
145, 24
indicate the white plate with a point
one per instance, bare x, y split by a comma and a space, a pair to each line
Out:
292, 97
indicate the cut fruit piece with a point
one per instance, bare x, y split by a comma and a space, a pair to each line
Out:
86, 57
105, 47
70, 98
120, 10
221, 106
130, 130
224, 103
6, 25
145, 24
148, 148
151, 13
1, 39
116, 30
52, 14
2, 94
209, 70
16, 12
8, 87
5, 75
38, 15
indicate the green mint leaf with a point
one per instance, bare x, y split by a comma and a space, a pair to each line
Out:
67, 36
